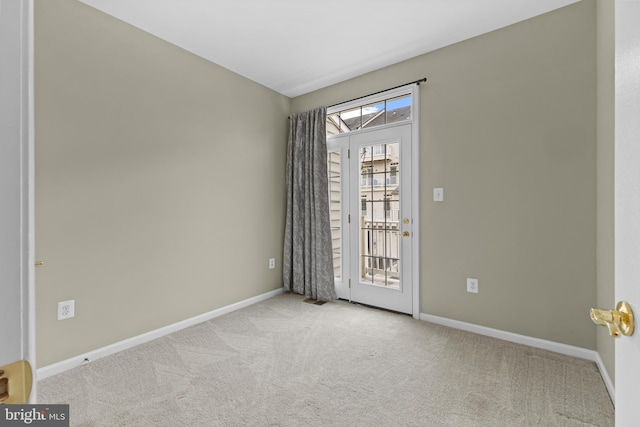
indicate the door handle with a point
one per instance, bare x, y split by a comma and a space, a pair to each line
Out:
405, 234
4, 389
618, 321
16, 380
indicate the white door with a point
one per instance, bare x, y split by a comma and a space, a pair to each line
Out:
627, 204
16, 214
370, 179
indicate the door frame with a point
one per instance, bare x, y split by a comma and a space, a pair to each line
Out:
414, 90
17, 67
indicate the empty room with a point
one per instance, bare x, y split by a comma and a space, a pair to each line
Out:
336, 213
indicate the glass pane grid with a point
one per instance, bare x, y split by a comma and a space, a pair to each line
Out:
380, 113
379, 236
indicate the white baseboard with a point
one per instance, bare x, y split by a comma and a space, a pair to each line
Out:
568, 350
64, 365
606, 378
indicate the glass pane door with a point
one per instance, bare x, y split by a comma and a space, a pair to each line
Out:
379, 195
370, 197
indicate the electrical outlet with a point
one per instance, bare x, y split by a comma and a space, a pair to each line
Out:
272, 263
66, 309
472, 285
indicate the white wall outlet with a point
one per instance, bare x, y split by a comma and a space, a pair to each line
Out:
272, 263
66, 309
472, 285
438, 194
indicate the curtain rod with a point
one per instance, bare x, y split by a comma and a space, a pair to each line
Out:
422, 80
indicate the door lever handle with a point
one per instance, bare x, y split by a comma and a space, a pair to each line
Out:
618, 321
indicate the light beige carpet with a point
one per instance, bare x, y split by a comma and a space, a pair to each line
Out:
284, 362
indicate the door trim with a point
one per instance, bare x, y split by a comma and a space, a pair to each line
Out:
415, 197
18, 70
414, 89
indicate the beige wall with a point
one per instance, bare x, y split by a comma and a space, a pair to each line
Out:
159, 181
160, 184
605, 138
508, 129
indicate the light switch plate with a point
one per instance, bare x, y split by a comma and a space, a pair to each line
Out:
438, 194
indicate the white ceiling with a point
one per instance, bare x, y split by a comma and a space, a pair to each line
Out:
297, 46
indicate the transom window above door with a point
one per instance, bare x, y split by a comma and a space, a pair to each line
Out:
385, 111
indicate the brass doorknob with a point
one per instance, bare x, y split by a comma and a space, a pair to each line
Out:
405, 234
16, 381
619, 321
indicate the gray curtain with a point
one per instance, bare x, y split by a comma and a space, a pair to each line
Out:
308, 258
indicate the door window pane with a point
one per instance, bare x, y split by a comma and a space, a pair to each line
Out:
379, 225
